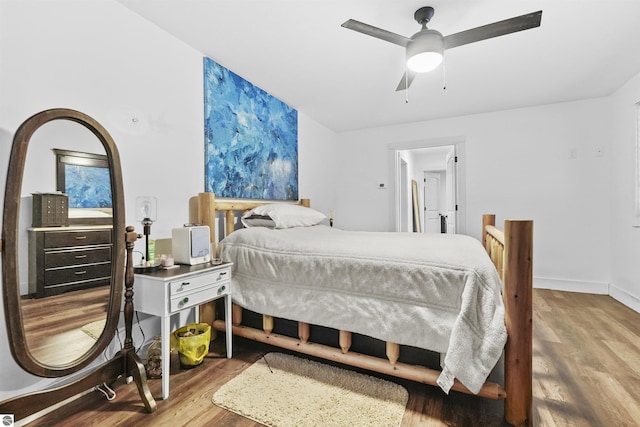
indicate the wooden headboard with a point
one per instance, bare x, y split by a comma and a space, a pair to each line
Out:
204, 207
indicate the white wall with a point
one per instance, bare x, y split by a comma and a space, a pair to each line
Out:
625, 239
517, 166
104, 60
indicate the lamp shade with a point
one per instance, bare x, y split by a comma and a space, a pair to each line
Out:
146, 208
424, 53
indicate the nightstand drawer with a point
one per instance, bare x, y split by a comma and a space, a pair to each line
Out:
190, 284
197, 297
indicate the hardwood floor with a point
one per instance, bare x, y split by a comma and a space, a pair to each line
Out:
53, 325
586, 361
586, 373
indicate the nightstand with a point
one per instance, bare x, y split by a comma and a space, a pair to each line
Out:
167, 292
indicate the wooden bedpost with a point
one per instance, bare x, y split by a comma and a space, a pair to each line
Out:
518, 298
207, 216
487, 219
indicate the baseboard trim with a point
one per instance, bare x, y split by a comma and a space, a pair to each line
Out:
599, 288
631, 301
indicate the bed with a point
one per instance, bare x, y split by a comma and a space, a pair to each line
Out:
464, 299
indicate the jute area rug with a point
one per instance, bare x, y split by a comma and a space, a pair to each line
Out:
280, 390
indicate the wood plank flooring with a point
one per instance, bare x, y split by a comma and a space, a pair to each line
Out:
53, 325
586, 373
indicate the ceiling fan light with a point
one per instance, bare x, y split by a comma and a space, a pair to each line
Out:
424, 62
425, 51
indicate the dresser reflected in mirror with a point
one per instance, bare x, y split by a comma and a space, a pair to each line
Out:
66, 212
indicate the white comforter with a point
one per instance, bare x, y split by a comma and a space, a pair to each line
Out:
432, 291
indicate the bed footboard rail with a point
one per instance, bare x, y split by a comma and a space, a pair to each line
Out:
512, 253
390, 366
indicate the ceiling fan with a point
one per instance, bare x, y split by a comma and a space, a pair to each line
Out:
424, 49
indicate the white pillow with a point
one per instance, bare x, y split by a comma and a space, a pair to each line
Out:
282, 215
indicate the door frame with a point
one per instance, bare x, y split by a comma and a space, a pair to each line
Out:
394, 167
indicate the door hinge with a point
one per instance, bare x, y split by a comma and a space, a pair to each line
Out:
456, 207
455, 159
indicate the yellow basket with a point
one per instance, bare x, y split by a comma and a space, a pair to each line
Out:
193, 346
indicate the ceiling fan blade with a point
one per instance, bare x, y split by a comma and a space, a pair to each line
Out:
376, 32
500, 28
406, 80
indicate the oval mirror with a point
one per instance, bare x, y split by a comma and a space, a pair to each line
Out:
63, 235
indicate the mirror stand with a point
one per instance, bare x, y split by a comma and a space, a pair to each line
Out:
126, 362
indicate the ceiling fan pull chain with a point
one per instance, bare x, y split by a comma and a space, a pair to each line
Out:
444, 72
406, 86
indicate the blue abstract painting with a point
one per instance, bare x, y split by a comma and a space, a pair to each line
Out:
87, 186
251, 139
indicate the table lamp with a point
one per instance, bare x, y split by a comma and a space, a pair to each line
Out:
146, 213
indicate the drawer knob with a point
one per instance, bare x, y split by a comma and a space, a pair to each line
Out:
221, 289
186, 283
79, 273
81, 237
185, 300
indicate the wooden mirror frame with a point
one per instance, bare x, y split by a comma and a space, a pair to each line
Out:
10, 262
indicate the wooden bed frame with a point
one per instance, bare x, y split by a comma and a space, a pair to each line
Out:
511, 252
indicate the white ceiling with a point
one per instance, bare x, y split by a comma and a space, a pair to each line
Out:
297, 51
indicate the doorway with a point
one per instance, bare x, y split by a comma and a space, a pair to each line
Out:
438, 167
404, 196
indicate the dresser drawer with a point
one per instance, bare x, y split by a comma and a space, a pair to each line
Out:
186, 285
78, 273
198, 296
59, 239
72, 257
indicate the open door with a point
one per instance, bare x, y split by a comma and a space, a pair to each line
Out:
452, 196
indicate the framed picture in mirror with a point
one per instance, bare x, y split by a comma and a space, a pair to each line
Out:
85, 179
